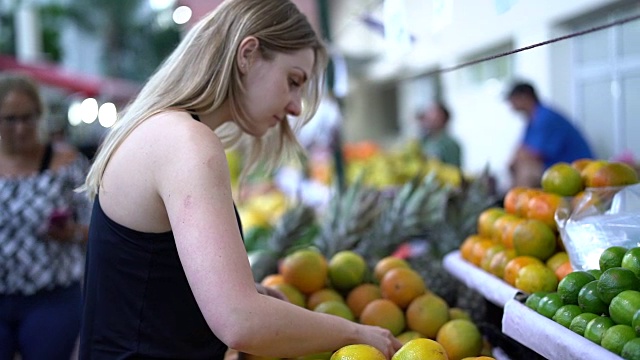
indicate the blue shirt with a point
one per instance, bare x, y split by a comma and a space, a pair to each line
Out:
553, 138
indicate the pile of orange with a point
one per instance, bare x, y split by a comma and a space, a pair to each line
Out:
508, 237
391, 295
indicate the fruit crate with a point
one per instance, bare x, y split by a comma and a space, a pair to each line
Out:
489, 286
547, 337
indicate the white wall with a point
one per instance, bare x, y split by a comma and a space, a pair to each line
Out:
482, 121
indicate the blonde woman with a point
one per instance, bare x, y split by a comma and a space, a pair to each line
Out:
167, 274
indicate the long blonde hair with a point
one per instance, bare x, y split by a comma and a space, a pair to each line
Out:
201, 74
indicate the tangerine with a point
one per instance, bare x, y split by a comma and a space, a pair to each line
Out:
613, 174
514, 265
361, 295
321, 296
387, 263
562, 179
358, 351
460, 339
384, 313
543, 206
421, 348
534, 238
426, 314
402, 285
347, 270
305, 269
487, 219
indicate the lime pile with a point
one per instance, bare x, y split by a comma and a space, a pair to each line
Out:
603, 305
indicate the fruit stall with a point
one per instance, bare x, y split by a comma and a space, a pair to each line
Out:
437, 258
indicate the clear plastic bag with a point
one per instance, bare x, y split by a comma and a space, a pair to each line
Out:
600, 218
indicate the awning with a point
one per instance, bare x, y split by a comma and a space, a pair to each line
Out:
88, 85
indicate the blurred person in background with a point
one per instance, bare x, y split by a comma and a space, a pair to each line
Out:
435, 139
167, 272
43, 230
549, 137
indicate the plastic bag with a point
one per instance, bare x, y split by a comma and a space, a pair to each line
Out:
600, 218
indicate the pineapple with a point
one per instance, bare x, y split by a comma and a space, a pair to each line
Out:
294, 229
348, 218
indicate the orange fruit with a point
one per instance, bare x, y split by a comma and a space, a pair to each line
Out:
321, 296
401, 286
358, 351
466, 248
511, 199
291, 293
557, 259
387, 263
536, 277
426, 314
336, 308
514, 266
504, 227
589, 170
460, 339
534, 238
499, 262
479, 249
305, 269
458, 313
347, 270
562, 179
563, 270
613, 174
487, 218
543, 207
421, 349
522, 206
408, 335
361, 295
384, 313
580, 164
272, 279
489, 254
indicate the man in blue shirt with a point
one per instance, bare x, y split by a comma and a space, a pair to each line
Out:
549, 138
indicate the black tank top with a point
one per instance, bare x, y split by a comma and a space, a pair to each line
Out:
137, 301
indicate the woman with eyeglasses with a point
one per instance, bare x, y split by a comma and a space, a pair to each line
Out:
43, 229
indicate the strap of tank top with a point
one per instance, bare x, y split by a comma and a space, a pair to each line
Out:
46, 158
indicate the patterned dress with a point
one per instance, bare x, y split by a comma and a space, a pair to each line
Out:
29, 261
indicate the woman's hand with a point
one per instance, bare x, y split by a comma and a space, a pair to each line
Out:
382, 339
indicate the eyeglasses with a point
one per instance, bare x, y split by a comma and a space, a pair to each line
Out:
14, 120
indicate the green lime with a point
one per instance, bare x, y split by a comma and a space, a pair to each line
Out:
570, 286
624, 306
635, 322
549, 304
565, 315
534, 299
595, 272
579, 323
596, 328
612, 257
614, 281
590, 302
631, 350
631, 260
616, 337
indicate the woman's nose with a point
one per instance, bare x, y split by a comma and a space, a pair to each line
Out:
295, 106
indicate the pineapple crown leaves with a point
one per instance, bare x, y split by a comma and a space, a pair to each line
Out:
417, 206
290, 228
463, 206
350, 214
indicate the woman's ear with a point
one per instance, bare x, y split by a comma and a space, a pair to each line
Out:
247, 51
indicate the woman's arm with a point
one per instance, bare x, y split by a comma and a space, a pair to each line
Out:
193, 182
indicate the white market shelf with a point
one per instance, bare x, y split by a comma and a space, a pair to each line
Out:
489, 286
547, 337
